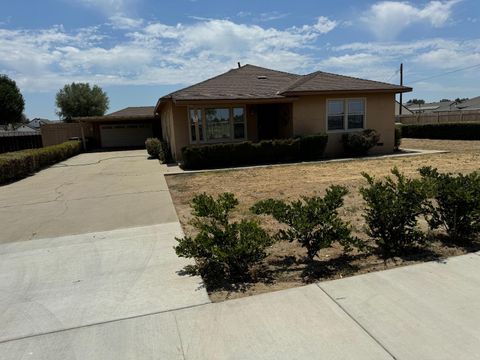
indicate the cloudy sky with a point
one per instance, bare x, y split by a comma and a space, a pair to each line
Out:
139, 50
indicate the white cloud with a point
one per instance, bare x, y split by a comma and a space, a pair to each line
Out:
387, 19
108, 6
422, 58
153, 53
124, 22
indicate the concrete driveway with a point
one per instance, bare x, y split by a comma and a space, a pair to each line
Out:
88, 193
90, 241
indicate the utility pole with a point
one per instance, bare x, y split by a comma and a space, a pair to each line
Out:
401, 84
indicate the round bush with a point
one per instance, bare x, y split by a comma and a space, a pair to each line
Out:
358, 143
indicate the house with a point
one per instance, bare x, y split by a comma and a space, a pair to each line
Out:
255, 103
36, 123
129, 127
444, 106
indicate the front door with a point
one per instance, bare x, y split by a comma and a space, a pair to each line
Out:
268, 122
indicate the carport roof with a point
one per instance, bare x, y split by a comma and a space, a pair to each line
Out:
139, 113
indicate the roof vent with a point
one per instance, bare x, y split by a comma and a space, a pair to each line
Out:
261, 77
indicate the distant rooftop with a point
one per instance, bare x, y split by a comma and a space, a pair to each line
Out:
134, 111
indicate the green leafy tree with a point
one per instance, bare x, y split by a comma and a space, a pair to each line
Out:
415, 102
445, 100
222, 248
79, 99
313, 221
12, 103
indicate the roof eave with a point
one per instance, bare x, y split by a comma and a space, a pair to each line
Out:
113, 118
346, 91
236, 101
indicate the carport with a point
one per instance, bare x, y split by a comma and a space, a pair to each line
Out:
127, 128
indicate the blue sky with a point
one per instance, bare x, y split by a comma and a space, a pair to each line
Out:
139, 50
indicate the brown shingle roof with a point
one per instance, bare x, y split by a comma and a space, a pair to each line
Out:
320, 81
246, 82
134, 111
254, 82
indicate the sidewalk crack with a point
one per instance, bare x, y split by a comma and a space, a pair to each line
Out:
358, 323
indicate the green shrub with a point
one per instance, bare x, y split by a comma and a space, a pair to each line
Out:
447, 131
249, 153
312, 221
312, 147
165, 155
398, 138
222, 248
456, 205
154, 147
19, 164
392, 209
358, 143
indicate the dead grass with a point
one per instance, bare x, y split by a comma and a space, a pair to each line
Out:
285, 266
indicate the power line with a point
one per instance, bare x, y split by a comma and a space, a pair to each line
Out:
445, 73
391, 77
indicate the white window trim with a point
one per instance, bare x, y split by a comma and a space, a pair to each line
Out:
345, 115
204, 125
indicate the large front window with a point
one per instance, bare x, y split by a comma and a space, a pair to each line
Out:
346, 114
218, 124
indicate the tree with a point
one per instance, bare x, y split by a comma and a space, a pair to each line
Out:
79, 99
11, 102
415, 101
445, 100
460, 100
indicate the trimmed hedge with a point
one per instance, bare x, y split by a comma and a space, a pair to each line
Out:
19, 164
305, 148
398, 137
447, 131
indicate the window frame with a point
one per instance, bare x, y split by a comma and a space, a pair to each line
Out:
345, 114
204, 124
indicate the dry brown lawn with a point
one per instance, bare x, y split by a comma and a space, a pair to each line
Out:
285, 266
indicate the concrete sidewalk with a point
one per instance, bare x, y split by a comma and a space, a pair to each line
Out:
426, 311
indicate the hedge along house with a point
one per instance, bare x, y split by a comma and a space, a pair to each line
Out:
255, 103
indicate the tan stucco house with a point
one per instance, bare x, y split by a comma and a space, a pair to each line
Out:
255, 103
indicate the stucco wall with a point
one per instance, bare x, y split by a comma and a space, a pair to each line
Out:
309, 117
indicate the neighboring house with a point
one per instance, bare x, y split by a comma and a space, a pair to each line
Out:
36, 123
129, 127
255, 103
444, 106
470, 104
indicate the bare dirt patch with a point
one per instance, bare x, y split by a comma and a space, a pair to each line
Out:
285, 267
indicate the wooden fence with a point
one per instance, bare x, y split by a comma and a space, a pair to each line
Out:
57, 133
440, 117
16, 140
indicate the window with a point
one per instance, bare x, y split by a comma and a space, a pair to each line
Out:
346, 114
356, 113
196, 123
336, 114
239, 123
217, 124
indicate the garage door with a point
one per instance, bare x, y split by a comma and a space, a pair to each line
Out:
125, 135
